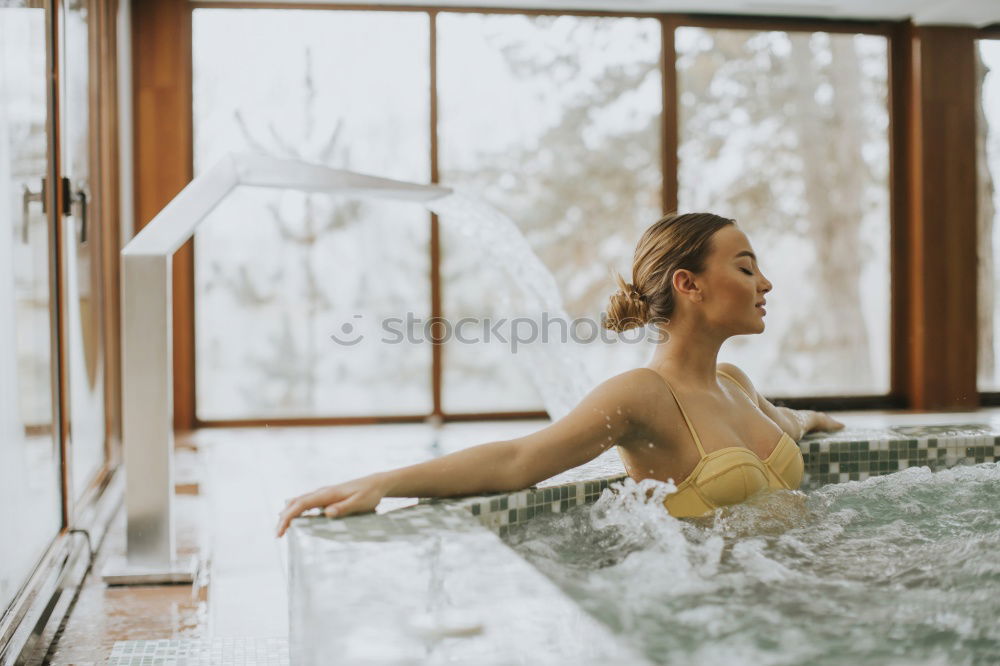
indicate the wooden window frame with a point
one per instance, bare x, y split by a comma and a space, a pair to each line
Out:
163, 133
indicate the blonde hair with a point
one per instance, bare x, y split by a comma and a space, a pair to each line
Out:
673, 242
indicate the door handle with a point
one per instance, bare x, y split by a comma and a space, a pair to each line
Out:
81, 196
27, 198
69, 198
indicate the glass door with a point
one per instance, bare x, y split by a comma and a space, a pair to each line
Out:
82, 287
30, 492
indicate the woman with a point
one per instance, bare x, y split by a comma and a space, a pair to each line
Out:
682, 416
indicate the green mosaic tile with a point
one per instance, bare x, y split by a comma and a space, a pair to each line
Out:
826, 460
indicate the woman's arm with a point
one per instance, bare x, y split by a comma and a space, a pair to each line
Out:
795, 422
604, 416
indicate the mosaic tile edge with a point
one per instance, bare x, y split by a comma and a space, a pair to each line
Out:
827, 459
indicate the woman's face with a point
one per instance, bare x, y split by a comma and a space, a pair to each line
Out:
733, 286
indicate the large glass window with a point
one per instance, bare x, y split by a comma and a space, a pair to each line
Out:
555, 122
30, 491
988, 158
787, 132
278, 273
83, 285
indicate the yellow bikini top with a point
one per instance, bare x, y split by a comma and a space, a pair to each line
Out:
734, 473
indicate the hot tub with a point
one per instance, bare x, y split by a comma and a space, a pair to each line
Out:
890, 554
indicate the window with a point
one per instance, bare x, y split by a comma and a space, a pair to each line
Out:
988, 158
278, 273
787, 132
555, 122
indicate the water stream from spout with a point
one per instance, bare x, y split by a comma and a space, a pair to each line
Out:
554, 367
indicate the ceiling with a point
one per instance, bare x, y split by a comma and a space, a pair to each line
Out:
976, 13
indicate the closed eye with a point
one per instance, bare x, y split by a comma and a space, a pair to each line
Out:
746, 271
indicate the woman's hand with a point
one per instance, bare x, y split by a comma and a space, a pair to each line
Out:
343, 499
823, 421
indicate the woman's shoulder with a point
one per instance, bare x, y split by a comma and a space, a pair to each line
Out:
638, 389
642, 377
741, 378
643, 389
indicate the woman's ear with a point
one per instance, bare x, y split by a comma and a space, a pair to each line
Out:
685, 285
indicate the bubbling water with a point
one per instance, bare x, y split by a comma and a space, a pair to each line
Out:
896, 569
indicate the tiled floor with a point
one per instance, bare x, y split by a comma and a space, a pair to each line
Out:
232, 484
207, 652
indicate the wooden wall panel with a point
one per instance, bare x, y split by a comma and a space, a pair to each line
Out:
161, 61
942, 222
106, 188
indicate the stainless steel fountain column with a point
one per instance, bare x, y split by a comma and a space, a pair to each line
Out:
147, 352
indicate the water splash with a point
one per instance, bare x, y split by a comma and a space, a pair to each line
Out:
902, 568
554, 368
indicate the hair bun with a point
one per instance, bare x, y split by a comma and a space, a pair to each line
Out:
633, 292
628, 307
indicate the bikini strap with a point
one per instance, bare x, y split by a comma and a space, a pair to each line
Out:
694, 435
